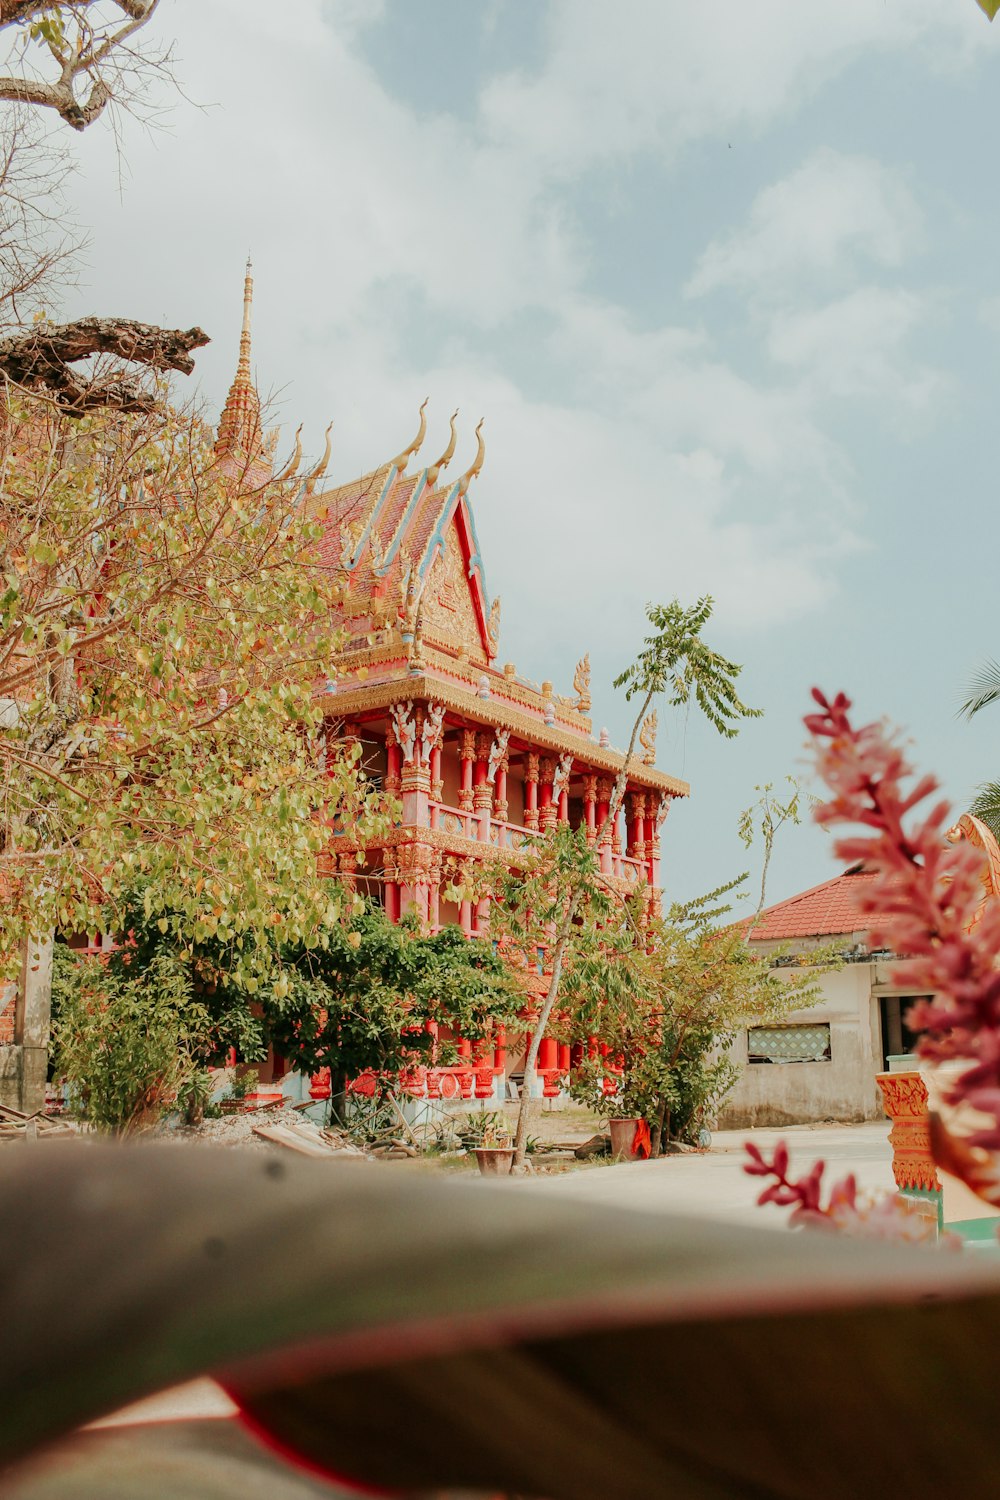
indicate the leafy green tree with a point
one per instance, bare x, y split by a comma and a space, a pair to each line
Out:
164, 645
674, 995
360, 999
129, 1046
564, 873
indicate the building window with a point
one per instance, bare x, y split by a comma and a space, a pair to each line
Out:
788, 1044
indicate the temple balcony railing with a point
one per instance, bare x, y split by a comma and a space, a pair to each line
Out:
510, 835
453, 820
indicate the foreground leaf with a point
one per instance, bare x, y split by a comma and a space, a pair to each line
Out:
421, 1333
199, 1460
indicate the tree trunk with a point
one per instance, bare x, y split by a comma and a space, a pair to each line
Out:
531, 1057
562, 941
338, 1095
657, 1140
32, 1016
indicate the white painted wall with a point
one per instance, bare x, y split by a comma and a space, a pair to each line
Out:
841, 1089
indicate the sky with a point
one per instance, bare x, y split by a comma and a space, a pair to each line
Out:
721, 278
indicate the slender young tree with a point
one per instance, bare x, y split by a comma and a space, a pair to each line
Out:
674, 660
766, 817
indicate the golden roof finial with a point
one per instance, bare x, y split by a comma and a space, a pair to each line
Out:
446, 457
400, 461
477, 462
320, 469
295, 459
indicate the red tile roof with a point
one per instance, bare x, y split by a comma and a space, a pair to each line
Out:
824, 911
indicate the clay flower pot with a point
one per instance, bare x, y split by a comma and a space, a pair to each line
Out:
495, 1161
622, 1136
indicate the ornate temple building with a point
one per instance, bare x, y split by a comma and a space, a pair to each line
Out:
481, 758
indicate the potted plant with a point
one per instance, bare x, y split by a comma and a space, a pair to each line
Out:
495, 1153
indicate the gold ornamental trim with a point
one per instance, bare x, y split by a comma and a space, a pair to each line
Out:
494, 712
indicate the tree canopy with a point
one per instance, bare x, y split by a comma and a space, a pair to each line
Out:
164, 647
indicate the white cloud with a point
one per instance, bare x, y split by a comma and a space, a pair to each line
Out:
817, 222
854, 346
393, 248
659, 73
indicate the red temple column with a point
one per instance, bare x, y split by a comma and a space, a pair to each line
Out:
500, 804
394, 764
637, 825
467, 754
465, 906
482, 791
531, 791
436, 784
392, 910
603, 807
547, 812
434, 903
590, 807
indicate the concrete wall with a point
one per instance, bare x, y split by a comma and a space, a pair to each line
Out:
10, 1076
842, 1088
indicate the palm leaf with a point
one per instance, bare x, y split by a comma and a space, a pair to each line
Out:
986, 803
426, 1334
984, 689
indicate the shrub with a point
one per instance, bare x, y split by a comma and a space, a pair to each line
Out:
129, 1048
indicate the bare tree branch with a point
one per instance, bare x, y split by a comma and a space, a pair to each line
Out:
40, 359
93, 54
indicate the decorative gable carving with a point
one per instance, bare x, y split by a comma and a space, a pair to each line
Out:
448, 611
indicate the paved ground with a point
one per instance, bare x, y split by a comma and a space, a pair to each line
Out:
713, 1184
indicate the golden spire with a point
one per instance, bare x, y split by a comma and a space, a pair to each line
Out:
446, 457
244, 365
239, 428
400, 461
477, 462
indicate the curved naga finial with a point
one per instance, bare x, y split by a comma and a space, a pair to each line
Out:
477, 462
976, 832
400, 461
296, 457
320, 469
446, 457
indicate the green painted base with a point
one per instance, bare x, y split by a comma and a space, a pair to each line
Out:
979, 1235
928, 1195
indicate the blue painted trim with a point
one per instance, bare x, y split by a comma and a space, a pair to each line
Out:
363, 538
476, 560
437, 540
404, 521
437, 535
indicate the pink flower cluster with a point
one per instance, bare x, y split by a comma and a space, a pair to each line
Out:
884, 1216
927, 901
